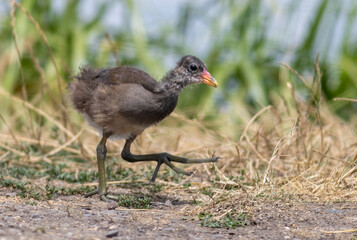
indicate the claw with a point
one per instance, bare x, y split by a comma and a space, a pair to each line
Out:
104, 196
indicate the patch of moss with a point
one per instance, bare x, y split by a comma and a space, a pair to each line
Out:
229, 220
138, 202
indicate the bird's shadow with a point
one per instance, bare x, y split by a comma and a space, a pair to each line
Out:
146, 192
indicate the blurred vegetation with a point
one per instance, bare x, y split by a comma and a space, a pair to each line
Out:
294, 146
241, 53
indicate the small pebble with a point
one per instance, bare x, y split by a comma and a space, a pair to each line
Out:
334, 211
168, 203
112, 205
170, 229
13, 194
86, 207
113, 227
36, 216
111, 234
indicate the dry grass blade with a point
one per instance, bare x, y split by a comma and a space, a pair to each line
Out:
4, 155
39, 111
345, 174
345, 99
279, 145
296, 73
244, 135
317, 99
10, 130
21, 154
13, 19
196, 123
113, 49
341, 231
50, 143
63, 146
132, 181
23, 86
44, 38
222, 215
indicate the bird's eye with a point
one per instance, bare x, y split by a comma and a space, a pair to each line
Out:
193, 67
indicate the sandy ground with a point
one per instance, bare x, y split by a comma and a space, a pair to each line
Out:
76, 217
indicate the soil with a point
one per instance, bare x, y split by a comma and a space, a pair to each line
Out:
76, 217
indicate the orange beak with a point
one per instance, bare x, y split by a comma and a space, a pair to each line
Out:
208, 79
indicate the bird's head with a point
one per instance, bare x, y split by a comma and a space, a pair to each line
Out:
193, 70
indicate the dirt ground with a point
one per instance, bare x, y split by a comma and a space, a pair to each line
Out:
76, 217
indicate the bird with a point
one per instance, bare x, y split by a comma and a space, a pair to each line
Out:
121, 102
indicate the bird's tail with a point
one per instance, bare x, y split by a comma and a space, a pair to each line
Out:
80, 90
86, 73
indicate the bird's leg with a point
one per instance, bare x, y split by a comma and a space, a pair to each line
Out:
102, 188
101, 154
161, 158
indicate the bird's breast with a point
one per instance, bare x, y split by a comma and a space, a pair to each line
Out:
144, 108
168, 104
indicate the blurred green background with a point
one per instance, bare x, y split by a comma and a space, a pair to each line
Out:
241, 42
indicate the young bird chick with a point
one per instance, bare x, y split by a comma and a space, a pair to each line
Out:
124, 101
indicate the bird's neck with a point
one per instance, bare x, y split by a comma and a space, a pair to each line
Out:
173, 83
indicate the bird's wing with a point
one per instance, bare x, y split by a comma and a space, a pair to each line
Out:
132, 102
127, 75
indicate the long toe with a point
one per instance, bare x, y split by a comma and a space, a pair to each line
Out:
216, 158
91, 193
176, 169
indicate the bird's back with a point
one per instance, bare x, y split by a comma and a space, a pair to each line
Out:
86, 82
120, 99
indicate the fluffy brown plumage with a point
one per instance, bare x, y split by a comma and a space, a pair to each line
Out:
123, 101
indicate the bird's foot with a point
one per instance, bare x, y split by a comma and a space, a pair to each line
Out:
104, 196
168, 158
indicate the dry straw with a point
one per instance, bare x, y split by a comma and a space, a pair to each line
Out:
294, 147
